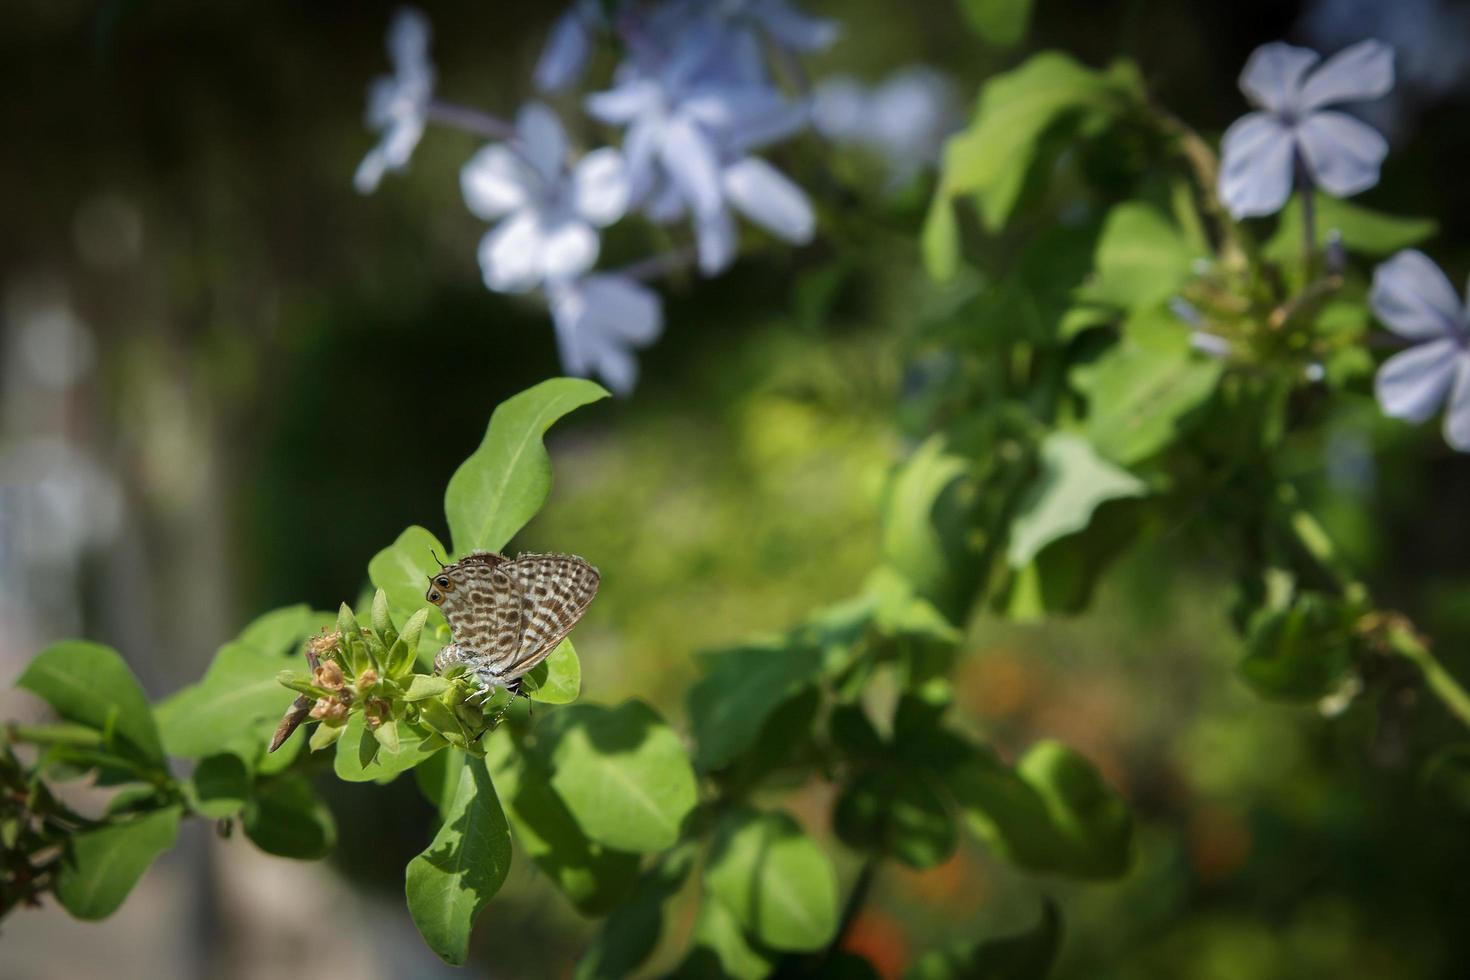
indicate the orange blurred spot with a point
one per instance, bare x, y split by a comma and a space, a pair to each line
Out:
1219, 842
997, 684
943, 883
881, 940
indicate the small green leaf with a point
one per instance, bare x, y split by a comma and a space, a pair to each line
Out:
1301, 652
776, 881
558, 678
90, 685
424, 686
631, 932
926, 515
719, 948
438, 778
1364, 231
1073, 481
382, 623
449, 884
506, 480
1053, 812
1143, 392
220, 786
940, 240
741, 688
1141, 260
594, 877
896, 812
363, 756
286, 818
993, 157
1028, 956
621, 772
1001, 22
106, 863
325, 736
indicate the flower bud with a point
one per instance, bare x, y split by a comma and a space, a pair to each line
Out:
329, 709
329, 676
325, 643
366, 680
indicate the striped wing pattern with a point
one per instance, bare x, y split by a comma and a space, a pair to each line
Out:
508, 615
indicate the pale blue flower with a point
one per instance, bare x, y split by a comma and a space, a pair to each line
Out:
904, 119
1295, 133
569, 46
687, 141
600, 320
398, 104
548, 213
1415, 300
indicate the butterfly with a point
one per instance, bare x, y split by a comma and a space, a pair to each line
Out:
506, 615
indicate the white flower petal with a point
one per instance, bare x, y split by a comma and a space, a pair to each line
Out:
1412, 384
765, 195
370, 172
838, 107
665, 205
1363, 71
542, 140
1457, 413
715, 240
569, 249
510, 254
1414, 299
1272, 77
408, 40
565, 55
598, 319
689, 158
623, 103
1256, 160
497, 181
600, 186
1342, 153
624, 308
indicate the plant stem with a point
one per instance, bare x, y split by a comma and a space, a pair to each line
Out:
1309, 221
1404, 641
470, 120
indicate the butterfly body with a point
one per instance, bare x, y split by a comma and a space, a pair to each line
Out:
506, 615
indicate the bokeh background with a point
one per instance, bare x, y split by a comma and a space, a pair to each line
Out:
228, 380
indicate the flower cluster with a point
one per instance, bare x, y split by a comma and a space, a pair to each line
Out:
695, 101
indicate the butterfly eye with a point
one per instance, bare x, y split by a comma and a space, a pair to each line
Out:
434, 596
442, 581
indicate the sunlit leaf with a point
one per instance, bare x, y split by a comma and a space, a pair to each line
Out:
1072, 483
90, 685
106, 863
774, 879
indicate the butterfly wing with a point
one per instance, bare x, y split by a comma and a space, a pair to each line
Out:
555, 590
485, 610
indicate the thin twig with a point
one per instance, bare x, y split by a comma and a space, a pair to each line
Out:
470, 120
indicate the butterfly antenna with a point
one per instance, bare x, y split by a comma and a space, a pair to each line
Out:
436, 558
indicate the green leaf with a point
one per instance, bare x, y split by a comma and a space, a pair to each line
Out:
1073, 481
90, 685
1365, 232
1301, 652
402, 571
939, 242
1141, 259
622, 773
106, 863
1001, 22
438, 778
631, 932
354, 765
220, 786
718, 948
238, 694
1027, 956
594, 877
279, 631
424, 686
896, 812
382, 624
926, 513
740, 690
1053, 812
1144, 392
506, 480
558, 678
994, 156
286, 818
774, 879
449, 884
